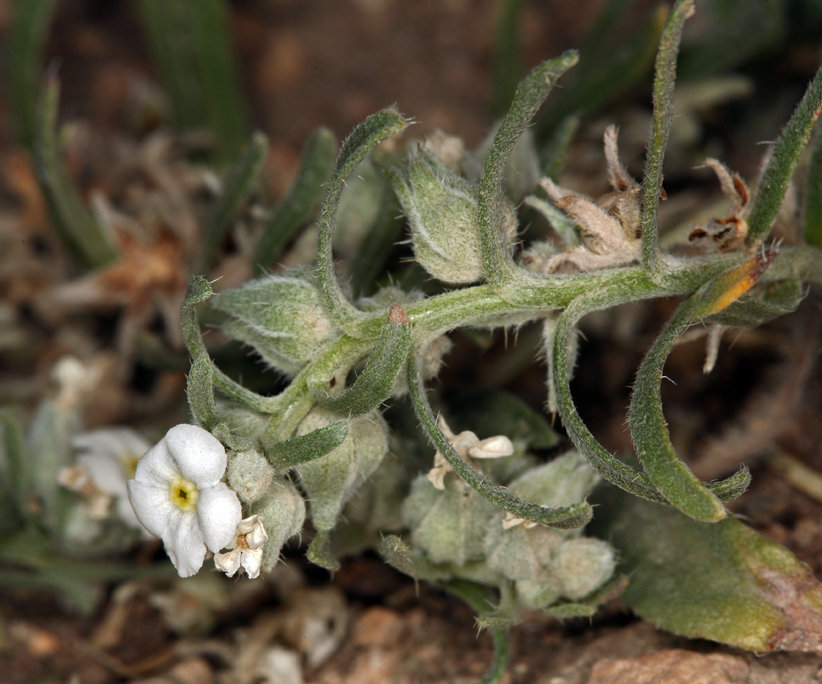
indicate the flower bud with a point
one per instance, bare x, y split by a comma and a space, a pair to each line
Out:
521, 552
442, 211
331, 480
448, 524
249, 474
582, 565
536, 594
564, 481
282, 511
281, 316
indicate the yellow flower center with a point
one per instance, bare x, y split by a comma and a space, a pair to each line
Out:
184, 493
130, 465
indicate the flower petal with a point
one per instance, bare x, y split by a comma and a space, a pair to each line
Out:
106, 472
228, 563
152, 506
199, 455
112, 441
184, 542
157, 468
219, 512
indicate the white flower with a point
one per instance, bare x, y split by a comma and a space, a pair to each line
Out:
246, 548
108, 458
466, 444
178, 496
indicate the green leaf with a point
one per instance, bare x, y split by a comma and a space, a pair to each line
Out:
719, 581
191, 48
671, 477
603, 462
200, 390
376, 383
507, 58
199, 290
497, 262
495, 412
773, 184
320, 553
367, 135
399, 556
74, 223
605, 69
240, 180
566, 517
316, 444
379, 240
813, 196
660, 128
26, 41
295, 210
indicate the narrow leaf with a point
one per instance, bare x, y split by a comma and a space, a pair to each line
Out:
660, 128
308, 447
368, 134
378, 242
813, 196
376, 383
239, 182
672, 478
506, 65
192, 51
570, 517
200, 390
531, 93
199, 290
26, 41
318, 156
720, 581
73, 221
320, 553
773, 184
603, 462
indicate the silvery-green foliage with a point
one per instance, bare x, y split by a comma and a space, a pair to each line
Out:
282, 509
281, 316
565, 480
330, 481
249, 474
442, 212
449, 524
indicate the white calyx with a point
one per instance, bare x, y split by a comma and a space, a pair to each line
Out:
178, 495
246, 549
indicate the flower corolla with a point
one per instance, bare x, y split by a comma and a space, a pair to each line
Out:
107, 459
178, 495
246, 549
467, 445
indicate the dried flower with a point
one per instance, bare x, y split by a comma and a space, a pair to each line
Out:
467, 445
246, 548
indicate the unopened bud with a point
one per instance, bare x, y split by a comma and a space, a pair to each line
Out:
442, 211
281, 316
